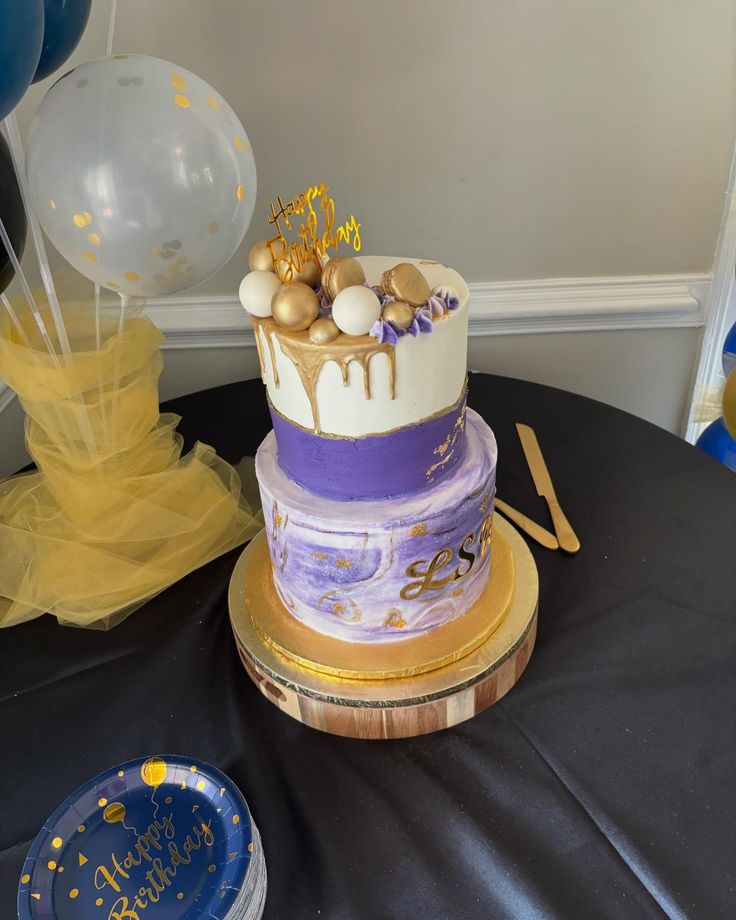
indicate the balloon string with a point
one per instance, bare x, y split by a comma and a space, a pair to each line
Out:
98, 343
111, 26
16, 151
18, 328
28, 293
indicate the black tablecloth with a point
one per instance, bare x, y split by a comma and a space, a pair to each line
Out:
602, 786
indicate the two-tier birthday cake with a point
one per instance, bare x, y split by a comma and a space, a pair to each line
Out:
377, 484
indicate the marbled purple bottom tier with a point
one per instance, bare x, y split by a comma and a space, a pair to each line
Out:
375, 466
376, 571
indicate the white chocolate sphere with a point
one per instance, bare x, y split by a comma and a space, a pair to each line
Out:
256, 292
440, 290
356, 309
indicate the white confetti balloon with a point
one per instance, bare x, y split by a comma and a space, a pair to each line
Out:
141, 174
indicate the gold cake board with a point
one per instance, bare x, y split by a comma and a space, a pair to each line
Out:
444, 678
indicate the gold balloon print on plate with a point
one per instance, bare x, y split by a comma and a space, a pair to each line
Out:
114, 813
153, 771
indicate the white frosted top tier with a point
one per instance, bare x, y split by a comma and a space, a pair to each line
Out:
430, 370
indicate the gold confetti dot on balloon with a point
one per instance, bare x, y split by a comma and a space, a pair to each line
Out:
95, 239
25, 879
153, 771
132, 276
87, 217
102, 802
238, 141
98, 902
52, 204
240, 192
213, 227
52, 864
79, 220
178, 81
56, 843
181, 101
73, 893
212, 102
114, 813
89, 256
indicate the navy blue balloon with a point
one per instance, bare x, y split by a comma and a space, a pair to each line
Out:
65, 21
717, 442
729, 352
21, 37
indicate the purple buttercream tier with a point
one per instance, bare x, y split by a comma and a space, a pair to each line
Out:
377, 571
376, 466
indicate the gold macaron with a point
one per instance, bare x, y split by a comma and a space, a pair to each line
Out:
339, 274
398, 313
405, 282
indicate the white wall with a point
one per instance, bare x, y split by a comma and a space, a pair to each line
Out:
514, 139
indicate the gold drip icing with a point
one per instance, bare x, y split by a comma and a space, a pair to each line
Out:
259, 345
308, 358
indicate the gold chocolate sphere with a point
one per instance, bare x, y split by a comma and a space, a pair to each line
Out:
260, 258
398, 313
295, 306
309, 273
322, 331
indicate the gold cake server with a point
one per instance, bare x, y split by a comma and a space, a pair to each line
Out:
530, 527
540, 474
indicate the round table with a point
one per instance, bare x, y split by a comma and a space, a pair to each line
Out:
602, 786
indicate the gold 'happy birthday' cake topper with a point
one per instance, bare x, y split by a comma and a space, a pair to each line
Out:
288, 258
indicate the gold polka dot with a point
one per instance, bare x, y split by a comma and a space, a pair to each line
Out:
212, 102
178, 80
52, 204
250, 847
212, 868
200, 785
81, 828
213, 227
181, 101
87, 217
61, 868
98, 902
94, 238
238, 141
52, 864
56, 843
240, 192
73, 893
79, 220
25, 879
89, 256
180, 896
102, 802
193, 769
132, 276
121, 773
236, 819
168, 800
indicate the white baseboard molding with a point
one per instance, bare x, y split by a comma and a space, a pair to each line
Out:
497, 308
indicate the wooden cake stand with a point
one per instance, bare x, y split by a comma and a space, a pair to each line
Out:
391, 689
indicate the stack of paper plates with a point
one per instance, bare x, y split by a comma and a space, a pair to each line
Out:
168, 833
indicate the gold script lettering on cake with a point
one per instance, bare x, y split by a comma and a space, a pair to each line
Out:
313, 245
426, 572
159, 837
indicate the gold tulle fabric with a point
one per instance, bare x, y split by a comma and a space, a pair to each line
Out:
114, 514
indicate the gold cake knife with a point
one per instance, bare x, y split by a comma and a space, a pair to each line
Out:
540, 474
530, 527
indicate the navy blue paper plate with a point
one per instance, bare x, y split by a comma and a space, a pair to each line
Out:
159, 837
